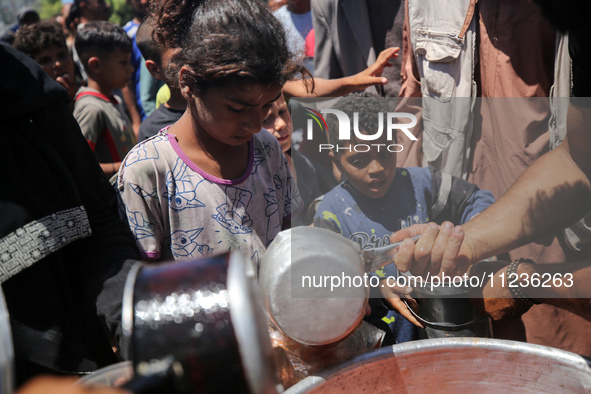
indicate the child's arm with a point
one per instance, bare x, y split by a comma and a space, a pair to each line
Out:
343, 86
110, 169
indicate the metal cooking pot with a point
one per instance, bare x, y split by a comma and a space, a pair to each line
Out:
446, 311
318, 313
455, 365
197, 326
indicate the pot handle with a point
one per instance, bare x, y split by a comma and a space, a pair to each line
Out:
377, 257
439, 326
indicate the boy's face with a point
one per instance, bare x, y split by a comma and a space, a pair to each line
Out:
371, 173
278, 123
116, 69
56, 62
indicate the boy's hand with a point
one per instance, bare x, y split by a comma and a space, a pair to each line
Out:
441, 249
392, 294
373, 74
67, 81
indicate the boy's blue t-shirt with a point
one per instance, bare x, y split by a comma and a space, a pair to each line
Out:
409, 200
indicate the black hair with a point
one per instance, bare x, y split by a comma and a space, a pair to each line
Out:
367, 106
224, 41
28, 16
74, 13
145, 42
100, 38
31, 39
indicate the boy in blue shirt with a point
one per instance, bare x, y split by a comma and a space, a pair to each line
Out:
377, 199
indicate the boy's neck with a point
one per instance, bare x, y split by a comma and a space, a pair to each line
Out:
93, 84
176, 102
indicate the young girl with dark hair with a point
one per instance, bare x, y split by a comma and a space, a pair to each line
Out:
211, 182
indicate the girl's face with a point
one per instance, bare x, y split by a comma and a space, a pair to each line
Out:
233, 114
278, 123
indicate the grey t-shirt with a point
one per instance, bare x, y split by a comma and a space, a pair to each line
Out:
104, 124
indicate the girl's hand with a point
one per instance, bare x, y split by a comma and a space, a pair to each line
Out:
441, 249
392, 294
373, 74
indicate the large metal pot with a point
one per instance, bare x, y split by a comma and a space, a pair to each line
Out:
456, 365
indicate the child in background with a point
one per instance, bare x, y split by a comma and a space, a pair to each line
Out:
45, 42
158, 60
278, 123
104, 50
211, 182
377, 199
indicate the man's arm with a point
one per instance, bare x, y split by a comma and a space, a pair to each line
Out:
561, 285
551, 194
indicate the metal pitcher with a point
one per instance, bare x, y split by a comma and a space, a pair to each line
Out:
197, 326
446, 311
